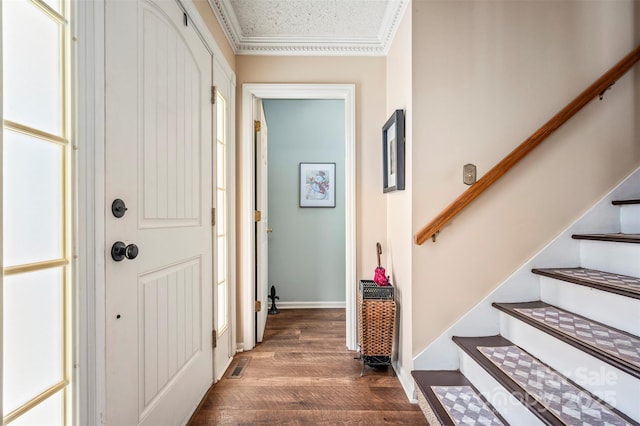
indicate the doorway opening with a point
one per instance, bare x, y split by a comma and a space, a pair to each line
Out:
250, 92
305, 202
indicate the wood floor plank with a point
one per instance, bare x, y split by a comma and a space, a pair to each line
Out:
303, 374
311, 417
310, 397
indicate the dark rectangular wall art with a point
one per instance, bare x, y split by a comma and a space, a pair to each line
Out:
393, 152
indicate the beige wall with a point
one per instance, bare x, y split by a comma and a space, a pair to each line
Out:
485, 76
216, 31
368, 74
398, 247
476, 78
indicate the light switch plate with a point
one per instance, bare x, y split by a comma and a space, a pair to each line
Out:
469, 174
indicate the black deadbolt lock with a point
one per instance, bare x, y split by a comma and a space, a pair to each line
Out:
120, 250
118, 208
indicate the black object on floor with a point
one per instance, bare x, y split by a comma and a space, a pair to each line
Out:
273, 309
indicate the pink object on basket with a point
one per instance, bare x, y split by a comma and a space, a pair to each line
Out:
380, 276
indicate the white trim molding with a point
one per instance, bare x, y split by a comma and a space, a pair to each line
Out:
89, 373
1, 216
345, 92
311, 305
311, 45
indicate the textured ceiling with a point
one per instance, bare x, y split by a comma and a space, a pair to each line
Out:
309, 27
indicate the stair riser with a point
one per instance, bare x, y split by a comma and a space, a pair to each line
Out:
619, 258
428, 412
597, 305
630, 219
618, 388
513, 411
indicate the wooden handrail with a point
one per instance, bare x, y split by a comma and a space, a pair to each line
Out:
596, 89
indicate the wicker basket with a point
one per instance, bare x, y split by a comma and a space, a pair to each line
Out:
378, 326
376, 319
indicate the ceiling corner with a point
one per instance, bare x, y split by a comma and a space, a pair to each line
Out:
305, 28
225, 19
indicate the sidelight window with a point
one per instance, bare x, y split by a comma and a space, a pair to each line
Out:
36, 209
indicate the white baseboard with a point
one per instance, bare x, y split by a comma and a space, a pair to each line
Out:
310, 305
407, 382
224, 370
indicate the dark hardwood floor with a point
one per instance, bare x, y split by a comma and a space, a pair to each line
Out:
303, 374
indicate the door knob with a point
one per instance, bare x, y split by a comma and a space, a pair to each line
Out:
269, 230
120, 250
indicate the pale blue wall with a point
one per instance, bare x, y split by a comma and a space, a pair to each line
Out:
306, 247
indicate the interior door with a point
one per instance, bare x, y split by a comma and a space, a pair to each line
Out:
262, 226
158, 161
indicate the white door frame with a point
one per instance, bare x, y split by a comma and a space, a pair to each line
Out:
88, 106
345, 92
225, 81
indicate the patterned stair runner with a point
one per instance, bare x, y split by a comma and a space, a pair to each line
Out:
618, 344
464, 406
447, 397
572, 405
598, 279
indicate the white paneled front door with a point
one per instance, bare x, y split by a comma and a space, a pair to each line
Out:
159, 163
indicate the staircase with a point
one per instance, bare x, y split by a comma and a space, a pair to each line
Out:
570, 358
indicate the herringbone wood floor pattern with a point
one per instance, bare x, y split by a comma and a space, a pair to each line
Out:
303, 374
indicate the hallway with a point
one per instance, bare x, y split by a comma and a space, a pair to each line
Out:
303, 374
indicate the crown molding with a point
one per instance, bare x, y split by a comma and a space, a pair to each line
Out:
309, 46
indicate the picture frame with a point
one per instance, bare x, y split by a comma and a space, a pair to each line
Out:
393, 152
317, 185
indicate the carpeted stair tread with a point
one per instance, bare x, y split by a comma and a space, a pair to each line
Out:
606, 281
453, 399
553, 398
615, 347
616, 238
